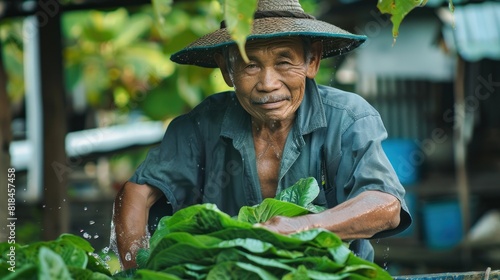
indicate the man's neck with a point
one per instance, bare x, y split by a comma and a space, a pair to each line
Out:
271, 127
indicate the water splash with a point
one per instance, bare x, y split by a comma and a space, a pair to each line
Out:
113, 244
128, 256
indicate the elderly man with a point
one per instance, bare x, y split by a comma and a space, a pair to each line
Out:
277, 126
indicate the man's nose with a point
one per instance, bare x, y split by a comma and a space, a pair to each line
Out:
269, 80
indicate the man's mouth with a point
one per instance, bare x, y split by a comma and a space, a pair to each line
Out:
270, 100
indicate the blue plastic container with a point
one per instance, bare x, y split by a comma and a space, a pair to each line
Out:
442, 222
405, 159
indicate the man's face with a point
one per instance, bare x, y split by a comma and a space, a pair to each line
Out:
271, 85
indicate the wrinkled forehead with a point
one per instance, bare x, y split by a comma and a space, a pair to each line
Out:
294, 44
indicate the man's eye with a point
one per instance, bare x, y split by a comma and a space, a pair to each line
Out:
251, 66
283, 63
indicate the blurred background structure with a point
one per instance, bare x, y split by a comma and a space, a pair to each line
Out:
86, 87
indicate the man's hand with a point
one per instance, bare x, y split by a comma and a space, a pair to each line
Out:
287, 225
131, 211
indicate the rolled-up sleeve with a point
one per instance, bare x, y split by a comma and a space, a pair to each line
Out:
174, 166
364, 166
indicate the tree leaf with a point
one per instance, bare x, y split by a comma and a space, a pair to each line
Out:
238, 16
162, 9
398, 9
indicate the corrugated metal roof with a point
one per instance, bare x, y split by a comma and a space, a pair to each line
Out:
477, 31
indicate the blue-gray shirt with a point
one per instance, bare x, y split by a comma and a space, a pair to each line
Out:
336, 138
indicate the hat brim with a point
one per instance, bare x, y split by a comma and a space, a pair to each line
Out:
336, 41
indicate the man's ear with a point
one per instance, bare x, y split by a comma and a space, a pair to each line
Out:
316, 52
221, 62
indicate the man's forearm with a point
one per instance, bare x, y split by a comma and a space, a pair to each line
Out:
361, 217
128, 234
131, 211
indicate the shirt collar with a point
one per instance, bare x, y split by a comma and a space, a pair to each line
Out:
310, 115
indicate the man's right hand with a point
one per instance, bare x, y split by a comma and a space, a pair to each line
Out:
131, 211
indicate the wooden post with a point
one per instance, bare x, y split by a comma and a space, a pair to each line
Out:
56, 211
460, 151
5, 139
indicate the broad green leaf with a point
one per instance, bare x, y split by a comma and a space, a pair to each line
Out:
201, 241
240, 271
269, 208
340, 254
87, 274
258, 247
299, 274
398, 9
196, 219
319, 238
232, 254
186, 271
142, 257
51, 265
302, 193
320, 263
155, 275
72, 255
267, 262
26, 272
359, 264
182, 253
278, 240
238, 16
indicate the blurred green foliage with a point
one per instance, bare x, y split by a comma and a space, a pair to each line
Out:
120, 59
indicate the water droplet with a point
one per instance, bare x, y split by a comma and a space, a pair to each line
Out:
59, 207
84, 208
91, 222
43, 206
86, 235
96, 236
128, 257
64, 199
105, 250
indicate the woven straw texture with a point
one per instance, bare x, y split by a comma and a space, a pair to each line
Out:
336, 41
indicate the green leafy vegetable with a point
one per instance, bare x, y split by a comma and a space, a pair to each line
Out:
67, 257
202, 242
51, 265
